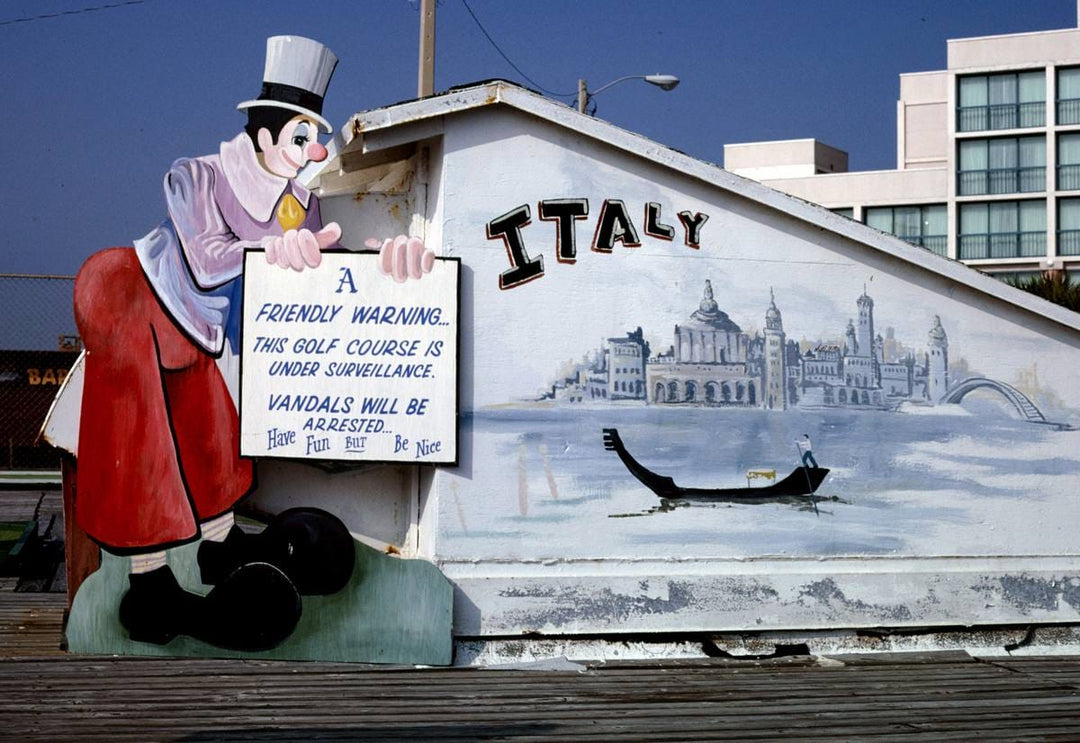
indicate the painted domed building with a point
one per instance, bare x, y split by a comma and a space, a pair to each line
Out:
709, 362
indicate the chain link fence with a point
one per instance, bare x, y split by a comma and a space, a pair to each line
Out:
38, 345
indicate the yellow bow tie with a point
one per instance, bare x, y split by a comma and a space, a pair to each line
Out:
290, 214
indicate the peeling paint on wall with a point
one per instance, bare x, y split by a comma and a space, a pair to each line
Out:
1031, 594
826, 592
574, 606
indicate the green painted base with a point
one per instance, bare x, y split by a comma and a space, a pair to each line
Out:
392, 611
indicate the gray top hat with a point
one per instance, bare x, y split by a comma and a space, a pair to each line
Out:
295, 78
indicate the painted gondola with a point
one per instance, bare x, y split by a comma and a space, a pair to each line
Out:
802, 482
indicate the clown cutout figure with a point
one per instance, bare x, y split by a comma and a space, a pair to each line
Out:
159, 462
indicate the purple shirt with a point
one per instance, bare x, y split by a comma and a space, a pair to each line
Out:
219, 206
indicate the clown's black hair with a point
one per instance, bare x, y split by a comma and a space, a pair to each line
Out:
270, 118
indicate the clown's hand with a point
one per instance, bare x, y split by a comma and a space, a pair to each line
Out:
299, 248
403, 257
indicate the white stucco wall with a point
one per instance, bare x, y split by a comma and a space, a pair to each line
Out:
922, 121
535, 545
950, 514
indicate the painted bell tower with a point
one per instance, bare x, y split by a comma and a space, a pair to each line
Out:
775, 396
937, 362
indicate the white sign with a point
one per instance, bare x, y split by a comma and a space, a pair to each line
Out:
343, 363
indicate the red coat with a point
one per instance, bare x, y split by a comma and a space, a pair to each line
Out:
159, 433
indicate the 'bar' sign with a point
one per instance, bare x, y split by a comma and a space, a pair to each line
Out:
340, 362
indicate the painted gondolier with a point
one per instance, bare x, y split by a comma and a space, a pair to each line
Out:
159, 461
806, 451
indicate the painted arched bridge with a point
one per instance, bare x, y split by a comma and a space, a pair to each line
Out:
1020, 401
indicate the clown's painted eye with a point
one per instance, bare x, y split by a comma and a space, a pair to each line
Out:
302, 134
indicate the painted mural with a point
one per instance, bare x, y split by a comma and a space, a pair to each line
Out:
700, 380
712, 363
160, 473
914, 434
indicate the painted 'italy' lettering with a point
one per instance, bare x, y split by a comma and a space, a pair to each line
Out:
615, 226
564, 212
508, 228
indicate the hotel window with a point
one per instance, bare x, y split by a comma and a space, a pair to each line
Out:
1003, 229
1068, 96
1004, 165
1068, 234
845, 211
1011, 100
926, 226
1068, 162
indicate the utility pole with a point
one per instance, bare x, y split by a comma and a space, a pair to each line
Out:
425, 85
583, 93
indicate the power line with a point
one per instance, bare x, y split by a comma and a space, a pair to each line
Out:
78, 11
510, 62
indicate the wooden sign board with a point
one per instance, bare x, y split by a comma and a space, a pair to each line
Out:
342, 363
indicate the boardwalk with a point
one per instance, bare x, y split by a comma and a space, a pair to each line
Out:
942, 697
48, 695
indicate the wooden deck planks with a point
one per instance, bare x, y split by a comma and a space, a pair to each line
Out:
31, 624
1063, 670
928, 699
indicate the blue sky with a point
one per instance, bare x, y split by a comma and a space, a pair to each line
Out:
98, 104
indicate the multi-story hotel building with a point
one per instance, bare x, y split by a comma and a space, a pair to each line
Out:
988, 158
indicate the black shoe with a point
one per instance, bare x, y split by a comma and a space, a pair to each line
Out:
310, 546
254, 608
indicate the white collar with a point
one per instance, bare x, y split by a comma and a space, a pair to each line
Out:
256, 189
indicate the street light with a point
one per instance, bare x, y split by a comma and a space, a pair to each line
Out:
664, 82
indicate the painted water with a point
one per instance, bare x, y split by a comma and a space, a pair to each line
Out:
537, 483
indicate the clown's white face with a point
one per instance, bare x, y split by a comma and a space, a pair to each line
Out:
297, 144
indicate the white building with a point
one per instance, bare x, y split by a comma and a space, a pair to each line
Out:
931, 516
626, 377
988, 158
